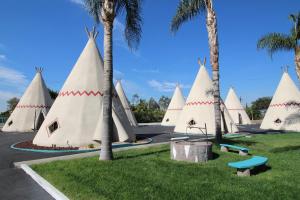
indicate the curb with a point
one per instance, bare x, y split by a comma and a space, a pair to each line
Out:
55, 193
82, 155
115, 145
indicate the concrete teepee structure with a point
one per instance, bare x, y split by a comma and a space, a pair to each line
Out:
125, 104
235, 108
75, 118
284, 110
199, 108
32, 107
174, 108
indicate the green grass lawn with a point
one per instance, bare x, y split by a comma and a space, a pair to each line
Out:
150, 174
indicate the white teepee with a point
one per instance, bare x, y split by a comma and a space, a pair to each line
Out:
235, 108
125, 104
75, 118
174, 108
32, 107
199, 109
284, 110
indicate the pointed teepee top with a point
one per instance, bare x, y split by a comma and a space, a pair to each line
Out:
236, 109
177, 101
202, 63
286, 91
39, 69
232, 101
92, 34
201, 88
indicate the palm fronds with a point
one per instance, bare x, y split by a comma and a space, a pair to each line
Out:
94, 8
133, 19
274, 42
133, 27
186, 10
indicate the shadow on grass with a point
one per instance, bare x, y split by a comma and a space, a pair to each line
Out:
215, 156
121, 157
144, 136
260, 169
240, 142
237, 152
284, 149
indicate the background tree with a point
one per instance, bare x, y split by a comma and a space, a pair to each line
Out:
105, 11
53, 93
12, 103
274, 42
148, 111
187, 10
164, 102
135, 99
153, 105
258, 108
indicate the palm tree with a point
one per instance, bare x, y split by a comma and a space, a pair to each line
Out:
187, 10
105, 11
274, 42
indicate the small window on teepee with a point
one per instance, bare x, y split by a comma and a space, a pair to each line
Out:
192, 122
53, 127
277, 121
167, 120
10, 123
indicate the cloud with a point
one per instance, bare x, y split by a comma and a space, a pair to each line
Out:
12, 77
4, 95
145, 70
165, 86
78, 2
12, 84
2, 57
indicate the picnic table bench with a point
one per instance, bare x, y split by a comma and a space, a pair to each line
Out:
179, 138
243, 167
242, 150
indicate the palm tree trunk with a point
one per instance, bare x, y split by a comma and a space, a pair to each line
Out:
211, 25
106, 140
297, 61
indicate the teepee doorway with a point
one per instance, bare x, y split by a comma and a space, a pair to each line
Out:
39, 120
240, 118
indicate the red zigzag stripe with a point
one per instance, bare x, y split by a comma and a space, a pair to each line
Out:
79, 93
199, 103
82, 93
284, 104
32, 106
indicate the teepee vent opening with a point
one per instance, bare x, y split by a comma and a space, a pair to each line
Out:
277, 121
10, 123
39, 69
53, 127
167, 120
93, 33
192, 122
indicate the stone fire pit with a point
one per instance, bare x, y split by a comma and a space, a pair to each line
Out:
191, 151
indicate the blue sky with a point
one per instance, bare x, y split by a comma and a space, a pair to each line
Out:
50, 34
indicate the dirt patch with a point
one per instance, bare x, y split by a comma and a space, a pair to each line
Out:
30, 145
